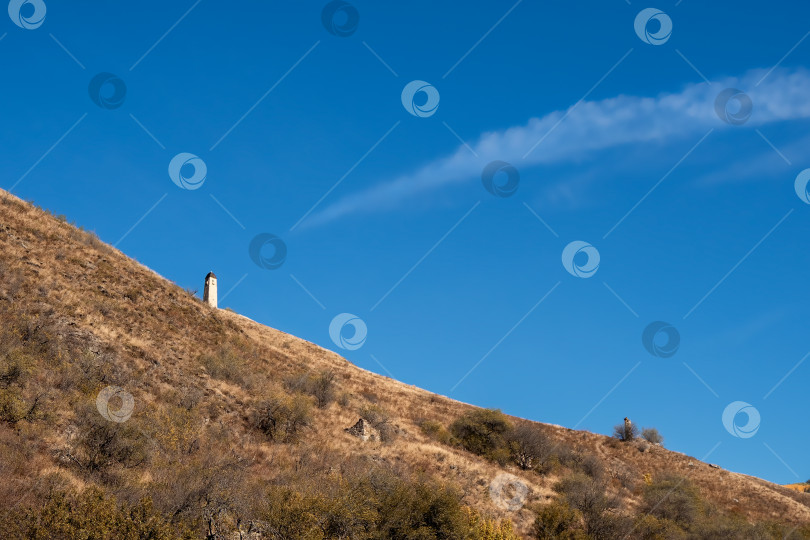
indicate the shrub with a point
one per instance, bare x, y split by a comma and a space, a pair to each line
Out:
592, 466
435, 431
369, 395
674, 499
557, 520
529, 446
289, 514
626, 431
482, 432
422, 510
723, 527
13, 368
282, 417
368, 504
225, 364
647, 527
93, 514
102, 444
590, 497
484, 528
12, 407
321, 386
205, 489
651, 435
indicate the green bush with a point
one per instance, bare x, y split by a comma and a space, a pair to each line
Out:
289, 515
422, 510
375, 504
558, 521
93, 514
435, 431
483, 432
12, 406
486, 528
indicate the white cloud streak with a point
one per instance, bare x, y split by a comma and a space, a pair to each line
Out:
590, 127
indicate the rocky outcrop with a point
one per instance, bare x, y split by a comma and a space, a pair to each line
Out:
361, 430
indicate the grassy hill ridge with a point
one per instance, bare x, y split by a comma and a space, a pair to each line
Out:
238, 429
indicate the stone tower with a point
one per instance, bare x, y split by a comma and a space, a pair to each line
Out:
210, 292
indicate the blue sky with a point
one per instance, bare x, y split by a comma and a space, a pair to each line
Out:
617, 143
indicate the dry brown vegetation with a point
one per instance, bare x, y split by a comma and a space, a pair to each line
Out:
238, 428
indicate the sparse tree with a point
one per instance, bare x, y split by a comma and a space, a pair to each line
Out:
529, 446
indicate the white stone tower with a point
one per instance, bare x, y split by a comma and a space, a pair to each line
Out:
210, 291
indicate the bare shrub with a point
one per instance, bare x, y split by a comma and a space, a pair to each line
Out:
592, 466
321, 386
369, 395
590, 497
651, 435
226, 364
282, 417
296, 383
673, 498
102, 444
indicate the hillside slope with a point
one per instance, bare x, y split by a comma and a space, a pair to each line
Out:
77, 316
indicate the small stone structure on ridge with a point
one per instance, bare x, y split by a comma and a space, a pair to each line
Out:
210, 291
362, 430
628, 429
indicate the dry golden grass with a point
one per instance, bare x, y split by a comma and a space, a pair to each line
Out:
155, 334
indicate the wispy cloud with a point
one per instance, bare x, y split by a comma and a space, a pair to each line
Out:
589, 127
